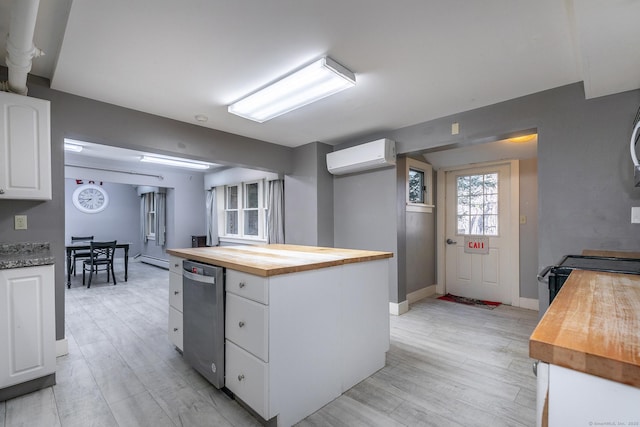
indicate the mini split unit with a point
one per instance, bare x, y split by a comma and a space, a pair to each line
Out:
372, 155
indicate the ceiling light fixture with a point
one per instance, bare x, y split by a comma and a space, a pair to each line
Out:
311, 83
70, 146
524, 138
174, 162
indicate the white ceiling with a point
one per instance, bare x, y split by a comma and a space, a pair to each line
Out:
414, 60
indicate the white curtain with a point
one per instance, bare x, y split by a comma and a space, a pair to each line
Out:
275, 218
212, 219
161, 215
143, 218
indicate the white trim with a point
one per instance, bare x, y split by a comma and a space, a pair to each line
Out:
529, 303
423, 293
62, 347
514, 226
236, 240
398, 309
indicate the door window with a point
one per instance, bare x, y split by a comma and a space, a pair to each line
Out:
477, 204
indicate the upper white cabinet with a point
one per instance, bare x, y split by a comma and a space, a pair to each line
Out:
25, 148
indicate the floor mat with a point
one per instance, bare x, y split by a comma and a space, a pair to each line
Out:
470, 301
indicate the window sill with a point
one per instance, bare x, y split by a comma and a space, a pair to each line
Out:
419, 207
242, 241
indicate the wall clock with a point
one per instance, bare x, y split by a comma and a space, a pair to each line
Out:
90, 198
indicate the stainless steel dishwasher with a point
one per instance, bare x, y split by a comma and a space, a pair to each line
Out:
203, 316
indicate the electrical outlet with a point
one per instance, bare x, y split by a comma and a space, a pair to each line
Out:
635, 215
455, 128
20, 222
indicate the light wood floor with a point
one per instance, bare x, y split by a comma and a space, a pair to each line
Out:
449, 365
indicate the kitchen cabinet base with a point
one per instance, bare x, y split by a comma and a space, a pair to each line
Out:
273, 422
27, 387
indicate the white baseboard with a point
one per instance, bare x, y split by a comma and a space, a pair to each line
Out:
398, 308
158, 262
62, 347
425, 292
529, 303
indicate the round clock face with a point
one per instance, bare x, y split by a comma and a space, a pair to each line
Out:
90, 198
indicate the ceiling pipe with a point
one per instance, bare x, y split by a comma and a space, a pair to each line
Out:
20, 48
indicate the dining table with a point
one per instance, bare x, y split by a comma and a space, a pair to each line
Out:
85, 246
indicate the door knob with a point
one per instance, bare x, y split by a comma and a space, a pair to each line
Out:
451, 242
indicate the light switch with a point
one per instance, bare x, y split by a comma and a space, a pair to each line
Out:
20, 222
455, 128
523, 219
635, 215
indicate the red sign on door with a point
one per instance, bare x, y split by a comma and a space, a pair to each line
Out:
476, 245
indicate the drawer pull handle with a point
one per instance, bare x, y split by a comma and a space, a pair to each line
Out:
175, 329
240, 377
241, 285
241, 323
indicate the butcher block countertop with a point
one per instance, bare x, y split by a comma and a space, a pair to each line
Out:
271, 260
593, 326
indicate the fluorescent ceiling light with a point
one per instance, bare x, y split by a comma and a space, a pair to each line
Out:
70, 146
317, 80
174, 162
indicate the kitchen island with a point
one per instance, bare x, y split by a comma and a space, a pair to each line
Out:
302, 324
588, 343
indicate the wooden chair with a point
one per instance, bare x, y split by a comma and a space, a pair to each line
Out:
79, 254
101, 256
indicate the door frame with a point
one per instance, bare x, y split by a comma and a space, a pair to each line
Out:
513, 227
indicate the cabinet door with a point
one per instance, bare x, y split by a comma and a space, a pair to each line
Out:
247, 325
175, 291
27, 324
25, 148
247, 377
175, 328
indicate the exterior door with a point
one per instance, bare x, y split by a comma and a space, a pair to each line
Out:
479, 234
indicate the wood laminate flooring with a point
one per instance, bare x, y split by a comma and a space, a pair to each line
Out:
449, 365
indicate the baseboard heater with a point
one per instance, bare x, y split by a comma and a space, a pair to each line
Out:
158, 262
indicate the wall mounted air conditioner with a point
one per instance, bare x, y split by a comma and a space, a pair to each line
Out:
372, 155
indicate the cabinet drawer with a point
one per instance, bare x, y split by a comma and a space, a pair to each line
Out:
175, 291
247, 377
175, 327
246, 324
248, 286
175, 264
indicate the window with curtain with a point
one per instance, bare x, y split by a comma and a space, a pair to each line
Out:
150, 216
153, 216
245, 211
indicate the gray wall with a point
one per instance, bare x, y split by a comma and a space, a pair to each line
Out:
529, 231
585, 175
309, 198
119, 221
365, 217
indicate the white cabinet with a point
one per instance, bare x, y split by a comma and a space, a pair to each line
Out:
27, 324
579, 399
294, 342
25, 148
175, 302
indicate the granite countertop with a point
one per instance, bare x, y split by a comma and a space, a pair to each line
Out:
17, 255
593, 326
274, 259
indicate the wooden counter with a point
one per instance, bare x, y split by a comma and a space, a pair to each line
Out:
271, 260
593, 326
